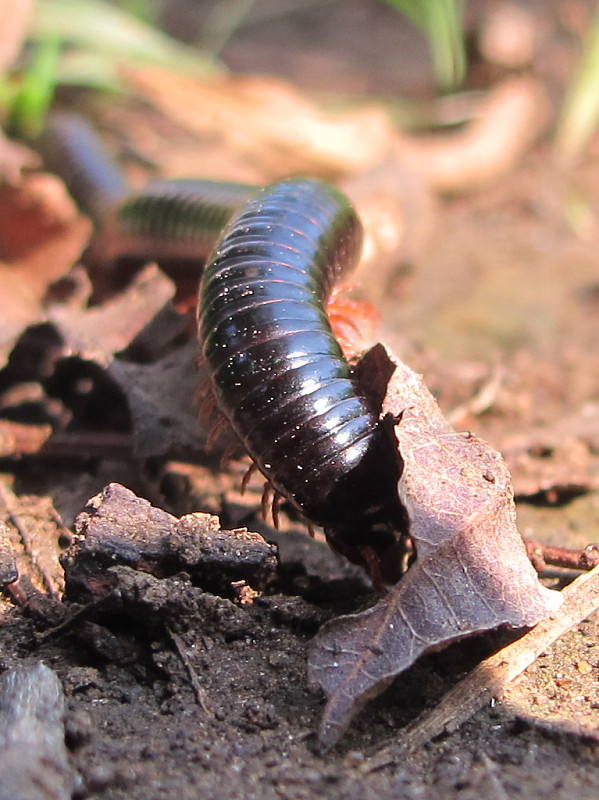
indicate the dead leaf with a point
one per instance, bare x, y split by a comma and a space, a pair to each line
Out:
165, 422
556, 462
19, 439
471, 572
41, 237
492, 677
98, 333
34, 530
270, 121
110, 366
396, 207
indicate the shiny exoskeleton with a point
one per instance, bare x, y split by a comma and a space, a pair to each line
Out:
278, 373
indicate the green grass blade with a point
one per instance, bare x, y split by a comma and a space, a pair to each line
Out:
32, 100
97, 26
441, 22
580, 113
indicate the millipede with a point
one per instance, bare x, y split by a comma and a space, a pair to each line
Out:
276, 371
279, 375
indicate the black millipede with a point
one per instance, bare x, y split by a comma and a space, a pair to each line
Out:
277, 372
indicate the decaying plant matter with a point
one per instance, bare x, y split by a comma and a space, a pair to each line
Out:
471, 572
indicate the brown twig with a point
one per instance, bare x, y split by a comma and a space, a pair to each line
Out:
96, 444
199, 691
545, 555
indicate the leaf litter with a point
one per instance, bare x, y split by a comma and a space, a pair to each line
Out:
471, 571
418, 427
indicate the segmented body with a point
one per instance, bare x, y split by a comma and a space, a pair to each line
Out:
176, 220
169, 220
72, 148
277, 371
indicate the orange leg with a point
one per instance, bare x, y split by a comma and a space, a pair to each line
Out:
220, 426
374, 570
353, 321
276, 503
246, 478
267, 498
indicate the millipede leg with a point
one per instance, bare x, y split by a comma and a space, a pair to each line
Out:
246, 478
207, 407
219, 427
374, 570
352, 321
228, 454
267, 496
276, 504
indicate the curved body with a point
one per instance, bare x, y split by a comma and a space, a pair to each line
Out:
277, 371
174, 221
73, 150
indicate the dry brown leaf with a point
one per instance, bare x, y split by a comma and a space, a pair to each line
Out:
34, 530
555, 462
471, 572
41, 237
72, 357
396, 207
270, 121
19, 439
100, 332
165, 422
492, 677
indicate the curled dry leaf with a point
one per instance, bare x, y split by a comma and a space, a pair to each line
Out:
141, 321
99, 333
396, 207
41, 236
141, 327
165, 422
471, 573
270, 121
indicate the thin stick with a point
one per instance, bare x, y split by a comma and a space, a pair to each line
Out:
199, 691
490, 678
